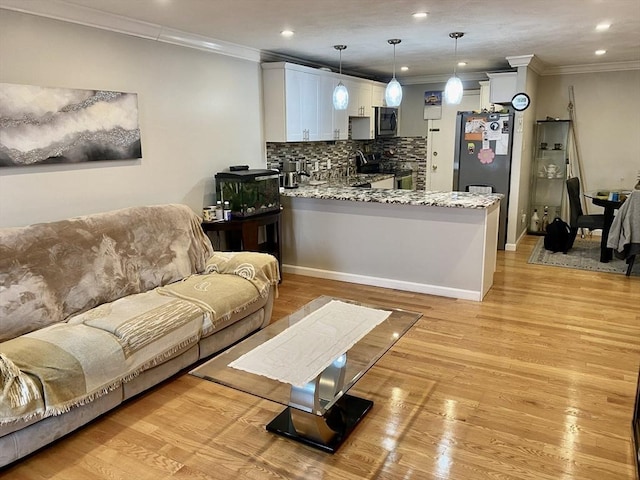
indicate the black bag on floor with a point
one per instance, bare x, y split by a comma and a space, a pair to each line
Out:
558, 236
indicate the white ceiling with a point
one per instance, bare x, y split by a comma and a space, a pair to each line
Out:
560, 33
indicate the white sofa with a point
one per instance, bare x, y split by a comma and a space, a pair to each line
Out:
96, 309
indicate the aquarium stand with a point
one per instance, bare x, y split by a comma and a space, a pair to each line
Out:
241, 233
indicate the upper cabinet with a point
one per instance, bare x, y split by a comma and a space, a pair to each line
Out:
377, 94
298, 104
360, 92
502, 87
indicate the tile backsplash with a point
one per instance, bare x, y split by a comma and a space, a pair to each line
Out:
401, 152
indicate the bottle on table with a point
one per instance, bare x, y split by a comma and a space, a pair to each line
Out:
226, 211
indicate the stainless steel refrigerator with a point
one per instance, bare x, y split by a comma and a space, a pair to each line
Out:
482, 159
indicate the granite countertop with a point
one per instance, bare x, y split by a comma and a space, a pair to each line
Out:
333, 191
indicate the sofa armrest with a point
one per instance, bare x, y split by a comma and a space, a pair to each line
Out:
261, 269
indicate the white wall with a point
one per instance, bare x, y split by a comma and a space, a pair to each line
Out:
607, 107
199, 113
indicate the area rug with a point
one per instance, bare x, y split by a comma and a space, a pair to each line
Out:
301, 352
585, 255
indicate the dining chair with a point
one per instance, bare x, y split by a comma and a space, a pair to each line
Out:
577, 219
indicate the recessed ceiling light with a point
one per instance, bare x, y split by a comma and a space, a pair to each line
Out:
404, 69
602, 27
287, 33
600, 52
462, 64
420, 15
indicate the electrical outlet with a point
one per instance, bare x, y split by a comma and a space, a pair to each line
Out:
523, 219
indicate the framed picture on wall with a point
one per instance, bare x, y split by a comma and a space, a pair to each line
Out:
42, 125
433, 105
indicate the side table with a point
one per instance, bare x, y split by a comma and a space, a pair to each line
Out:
241, 233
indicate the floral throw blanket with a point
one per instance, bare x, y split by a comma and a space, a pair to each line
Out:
260, 269
51, 370
48, 371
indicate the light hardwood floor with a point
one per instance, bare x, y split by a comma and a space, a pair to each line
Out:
535, 382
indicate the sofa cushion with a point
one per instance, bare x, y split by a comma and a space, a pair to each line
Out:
224, 298
93, 353
50, 271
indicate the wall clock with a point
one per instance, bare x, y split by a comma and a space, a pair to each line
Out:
520, 101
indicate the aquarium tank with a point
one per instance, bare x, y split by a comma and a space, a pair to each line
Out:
249, 192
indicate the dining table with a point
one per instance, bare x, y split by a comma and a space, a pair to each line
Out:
610, 200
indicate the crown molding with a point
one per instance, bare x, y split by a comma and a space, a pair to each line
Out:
90, 17
442, 78
592, 68
530, 61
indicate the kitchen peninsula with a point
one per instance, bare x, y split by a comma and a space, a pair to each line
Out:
440, 243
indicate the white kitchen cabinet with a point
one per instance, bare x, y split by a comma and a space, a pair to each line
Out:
377, 94
360, 92
386, 183
485, 97
325, 108
340, 118
502, 87
290, 104
360, 108
362, 128
298, 104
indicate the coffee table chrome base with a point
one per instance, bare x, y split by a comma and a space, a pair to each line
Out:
325, 432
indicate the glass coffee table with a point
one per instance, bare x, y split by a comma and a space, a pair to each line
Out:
320, 413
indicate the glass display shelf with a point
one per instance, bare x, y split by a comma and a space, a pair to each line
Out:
548, 173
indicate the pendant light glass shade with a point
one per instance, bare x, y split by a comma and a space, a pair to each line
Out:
453, 90
340, 97
340, 93
393, 93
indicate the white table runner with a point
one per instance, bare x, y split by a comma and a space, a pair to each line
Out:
301, 352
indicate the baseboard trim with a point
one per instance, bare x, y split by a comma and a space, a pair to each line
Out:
385, 283
512, 247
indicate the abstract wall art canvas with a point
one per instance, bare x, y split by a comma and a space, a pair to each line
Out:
41, 125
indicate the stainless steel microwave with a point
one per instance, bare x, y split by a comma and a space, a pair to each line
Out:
386, 122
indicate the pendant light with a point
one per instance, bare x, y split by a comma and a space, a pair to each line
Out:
393, 93
340, 93
453, 90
